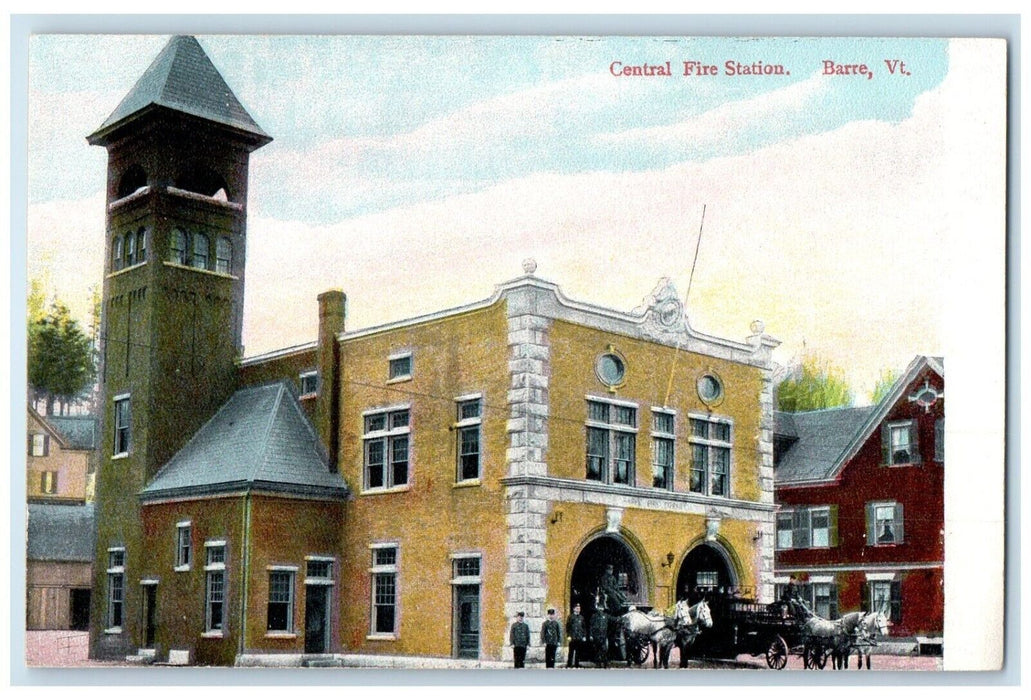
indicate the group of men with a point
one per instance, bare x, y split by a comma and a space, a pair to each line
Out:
551, 638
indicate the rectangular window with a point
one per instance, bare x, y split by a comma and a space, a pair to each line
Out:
663, 442
939, 440
785, 529
48, 482
468, 436
711, 443
122, 418
280, 601
130, 249
309, 382
884, 523
825, 600
400, 367
319, 568
39, 444
223, 255
611, 442
182, 546
466, 567
386, 446
886, 595
819, 520
215, 588
384, 590
900, 443
115, 587
200, 251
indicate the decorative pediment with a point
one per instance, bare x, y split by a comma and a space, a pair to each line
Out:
663, 311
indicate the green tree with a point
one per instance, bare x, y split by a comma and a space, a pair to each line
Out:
61, 366
884, 384
811, 384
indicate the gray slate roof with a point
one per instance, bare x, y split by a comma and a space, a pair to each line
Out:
260, 438
78, 432
60, 533
822, 436
183, 78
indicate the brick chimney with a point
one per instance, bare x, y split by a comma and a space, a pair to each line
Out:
332, 316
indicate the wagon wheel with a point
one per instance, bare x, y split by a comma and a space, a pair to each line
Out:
637, 651
814, 656
777, 653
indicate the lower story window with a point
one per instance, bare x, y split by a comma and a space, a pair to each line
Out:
885, 596
216, 599
384, 590
115, 593
280, 601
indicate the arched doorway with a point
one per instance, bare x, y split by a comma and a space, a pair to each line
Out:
590, 566
705, 569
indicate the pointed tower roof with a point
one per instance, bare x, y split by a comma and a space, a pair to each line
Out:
182, 78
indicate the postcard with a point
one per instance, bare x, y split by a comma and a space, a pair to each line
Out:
515, 352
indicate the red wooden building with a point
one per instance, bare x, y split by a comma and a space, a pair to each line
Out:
861, 518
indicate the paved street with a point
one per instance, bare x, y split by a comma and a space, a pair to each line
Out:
68, 649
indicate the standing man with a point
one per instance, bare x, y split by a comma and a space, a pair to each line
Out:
576, 628
551, 637
519, 637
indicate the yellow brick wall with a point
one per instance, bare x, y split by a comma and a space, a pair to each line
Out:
431, 518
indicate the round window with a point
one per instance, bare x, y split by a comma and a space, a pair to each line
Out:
709, 388
611, 369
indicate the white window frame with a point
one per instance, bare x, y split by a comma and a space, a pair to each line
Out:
710, 446
211, 570
813, 511
404, 377
320, 580
122, 433
613, 433
376, 570
671, 438
307, 375
48, 481
463, 426
39, 445
183, 545
291, 572
911, 431
387, 436
896, 525
456, 579
115, 572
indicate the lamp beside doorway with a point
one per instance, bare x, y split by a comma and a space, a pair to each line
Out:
669, 559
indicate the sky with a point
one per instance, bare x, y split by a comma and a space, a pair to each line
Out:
416, 173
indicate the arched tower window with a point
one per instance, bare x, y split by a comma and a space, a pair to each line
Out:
200, 251
116, 253
203, 180
177, 248
223, 255
130, 249
141, 245
135, 178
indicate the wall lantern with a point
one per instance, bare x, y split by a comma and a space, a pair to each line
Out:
669, 559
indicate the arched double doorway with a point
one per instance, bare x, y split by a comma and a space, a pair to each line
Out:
590, 567
707, 568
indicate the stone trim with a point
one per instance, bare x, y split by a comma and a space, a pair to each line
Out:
583, 491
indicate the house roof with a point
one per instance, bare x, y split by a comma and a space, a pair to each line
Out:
182, 78
827, 439
60, 532
260, 439
79, 432
821, 436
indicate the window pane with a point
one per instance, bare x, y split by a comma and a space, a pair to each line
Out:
386, 556
467, 567
597, 411
200, 251
624, 458
223, 255
216, 555
401, 367
469, 453
699, 454
469, 409
900, 449
374, 463
624, 415
699, 428
721, 431
141, 245
375, 422
399, 461
662, 423
820, 523
597, 452
320, 569
383, 608
398, 419
784, 531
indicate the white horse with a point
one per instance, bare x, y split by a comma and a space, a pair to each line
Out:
871, 626
688, 623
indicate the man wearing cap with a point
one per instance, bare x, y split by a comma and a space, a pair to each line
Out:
576, 628
519, 637
551, 637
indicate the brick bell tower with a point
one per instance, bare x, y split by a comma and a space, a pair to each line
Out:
178, 149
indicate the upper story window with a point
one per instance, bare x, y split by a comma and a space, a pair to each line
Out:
309, 381
400, 367
116, 253
884, 522
467, 430
122, 420
199, 246
223, 255
183, 545
141, 246
319, 570
130, 249
807, 527
39, 444
663, 443
900, 443
177, 247
711, 443
611, 441
939, 440
386, 443
611, 369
